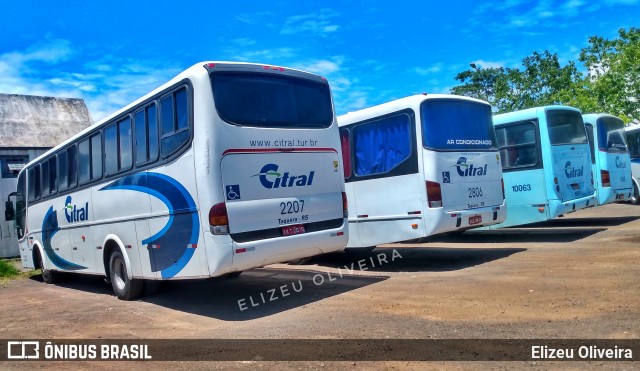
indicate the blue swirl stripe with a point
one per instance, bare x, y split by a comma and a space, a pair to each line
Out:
49, 229
172, 247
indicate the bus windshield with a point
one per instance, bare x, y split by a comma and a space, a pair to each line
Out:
454, 125
611, 137
265, 100
565, 127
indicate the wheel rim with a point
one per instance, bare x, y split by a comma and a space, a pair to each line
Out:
119, 274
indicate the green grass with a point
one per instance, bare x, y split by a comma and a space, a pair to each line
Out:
8, 269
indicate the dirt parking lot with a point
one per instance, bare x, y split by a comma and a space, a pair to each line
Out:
573, 277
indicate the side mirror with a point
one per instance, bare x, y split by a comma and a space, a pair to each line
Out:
9, 211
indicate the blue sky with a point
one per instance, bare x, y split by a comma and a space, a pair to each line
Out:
370, 51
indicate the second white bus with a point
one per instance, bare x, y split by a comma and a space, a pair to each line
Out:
419, 166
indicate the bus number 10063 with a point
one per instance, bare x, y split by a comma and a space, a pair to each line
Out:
521, 187
291, 207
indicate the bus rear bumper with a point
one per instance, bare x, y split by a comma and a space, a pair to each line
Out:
460, 220
258, 253
614, 195
557, 208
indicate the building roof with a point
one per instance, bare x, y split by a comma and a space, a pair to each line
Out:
34, 121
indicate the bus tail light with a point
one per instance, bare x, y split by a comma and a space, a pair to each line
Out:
502, 181
434, 194
606, 180
218, 219
345, 206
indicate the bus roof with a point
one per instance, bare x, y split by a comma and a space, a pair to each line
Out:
198, 68
412, 101
528, 114
593, 117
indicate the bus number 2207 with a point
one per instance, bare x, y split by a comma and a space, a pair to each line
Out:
291, 207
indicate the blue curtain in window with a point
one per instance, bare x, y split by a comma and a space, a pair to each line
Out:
381, 146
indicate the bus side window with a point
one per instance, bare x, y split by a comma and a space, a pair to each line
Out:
96, 156
346, 152
174, 118
381, 145
84, 161
34, 183
146, 135
53, 177
518, 145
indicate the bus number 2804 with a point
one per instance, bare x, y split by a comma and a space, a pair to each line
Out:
475, 192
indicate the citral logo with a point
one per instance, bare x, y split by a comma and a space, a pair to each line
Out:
271, 178
73, 213
620, 164
572, 172
465, 169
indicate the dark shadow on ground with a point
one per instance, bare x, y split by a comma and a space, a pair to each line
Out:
256, 293
517, 235
413, 259
585, 222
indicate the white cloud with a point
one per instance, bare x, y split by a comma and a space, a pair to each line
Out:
105, 84
316, 23
487, 64
321, 67
436, 68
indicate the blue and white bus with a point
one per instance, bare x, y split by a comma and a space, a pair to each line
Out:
633, 140
546, 162
610, 158
226, 167
419, 166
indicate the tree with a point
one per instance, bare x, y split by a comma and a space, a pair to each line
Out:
479, 83
614, 72
541, 81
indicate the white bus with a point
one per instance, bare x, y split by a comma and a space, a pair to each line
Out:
633, 140
609, 157
226, 167
419, 166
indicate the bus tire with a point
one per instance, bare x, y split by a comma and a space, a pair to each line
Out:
123, 287
635, 197
48, 276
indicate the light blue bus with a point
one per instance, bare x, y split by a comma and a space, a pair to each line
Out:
610, 158
546, 163
633, 140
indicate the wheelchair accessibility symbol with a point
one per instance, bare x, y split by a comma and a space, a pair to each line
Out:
446, 177
233, 192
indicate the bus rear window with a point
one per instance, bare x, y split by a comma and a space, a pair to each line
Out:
565, 127
453, 125
266, 100
611, 137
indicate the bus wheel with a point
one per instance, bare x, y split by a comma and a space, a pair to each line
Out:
635, 198
124, 288
48, 276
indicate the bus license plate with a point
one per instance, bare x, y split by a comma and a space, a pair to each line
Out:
575, 186
290, 230
476, 219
